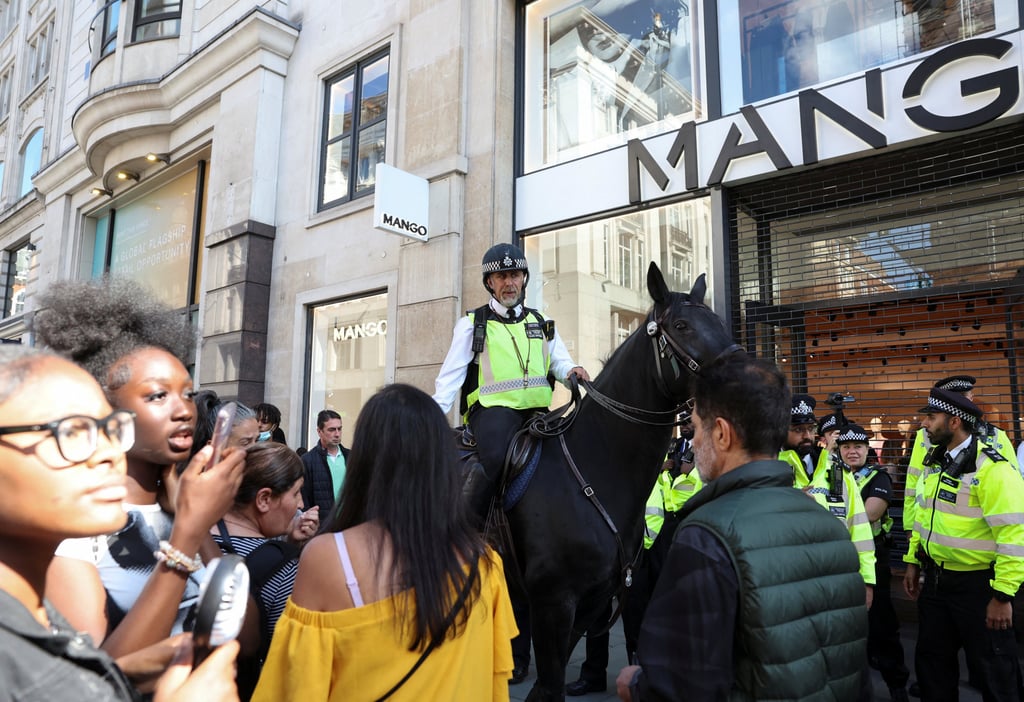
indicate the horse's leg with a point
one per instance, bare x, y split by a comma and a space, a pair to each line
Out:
552, 632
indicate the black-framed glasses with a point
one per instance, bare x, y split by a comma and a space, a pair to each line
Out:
77, 436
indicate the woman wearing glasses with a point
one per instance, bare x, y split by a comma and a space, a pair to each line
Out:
62, 468
134, 587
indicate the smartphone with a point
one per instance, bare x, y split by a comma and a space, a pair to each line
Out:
223, 595
221, 431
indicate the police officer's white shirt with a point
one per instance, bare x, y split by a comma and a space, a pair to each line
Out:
960, 447
460, 354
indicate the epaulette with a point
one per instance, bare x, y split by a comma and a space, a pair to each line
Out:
992, 453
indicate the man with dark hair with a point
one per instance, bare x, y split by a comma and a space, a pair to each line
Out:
968, 543
799, 628
324, 464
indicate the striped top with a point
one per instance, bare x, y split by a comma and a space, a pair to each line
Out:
275, 592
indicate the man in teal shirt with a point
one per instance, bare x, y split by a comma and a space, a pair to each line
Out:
324, 464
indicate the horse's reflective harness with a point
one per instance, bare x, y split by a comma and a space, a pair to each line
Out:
666, 351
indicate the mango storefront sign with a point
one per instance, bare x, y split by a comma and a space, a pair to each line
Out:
360, 330
401, 202
960, 87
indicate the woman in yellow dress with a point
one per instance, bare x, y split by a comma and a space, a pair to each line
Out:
399, 598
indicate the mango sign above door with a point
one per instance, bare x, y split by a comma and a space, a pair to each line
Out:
401, 202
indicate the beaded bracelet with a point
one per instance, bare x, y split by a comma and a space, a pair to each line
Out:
174, 559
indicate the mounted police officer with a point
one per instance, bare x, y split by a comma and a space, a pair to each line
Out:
884, 647
502, 358
968, 542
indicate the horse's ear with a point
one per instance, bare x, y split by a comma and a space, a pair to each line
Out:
700, 286
656, 285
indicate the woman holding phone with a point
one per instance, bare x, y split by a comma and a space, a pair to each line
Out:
62, 447
134, 587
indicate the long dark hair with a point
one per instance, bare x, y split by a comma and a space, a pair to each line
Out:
403, 473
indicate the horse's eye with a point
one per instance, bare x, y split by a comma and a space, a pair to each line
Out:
681, 325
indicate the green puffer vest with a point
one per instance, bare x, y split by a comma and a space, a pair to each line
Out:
802, 624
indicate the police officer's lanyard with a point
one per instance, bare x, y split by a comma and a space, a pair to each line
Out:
523, 366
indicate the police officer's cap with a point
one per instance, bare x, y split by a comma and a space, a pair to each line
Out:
850, 433
953, 404
828, 422
957, 383
504, 257
803, 409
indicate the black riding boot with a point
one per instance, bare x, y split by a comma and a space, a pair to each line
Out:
478, 491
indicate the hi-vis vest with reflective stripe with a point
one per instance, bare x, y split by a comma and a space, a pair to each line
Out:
915, 468
848, 507
863, 477
668, 495
502, 382
974, 521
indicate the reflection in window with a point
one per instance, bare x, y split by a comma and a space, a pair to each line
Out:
31, 160
348, 355
354, 131
599, 69
18, 261
793, 44
156, 19
111, 15
596, 290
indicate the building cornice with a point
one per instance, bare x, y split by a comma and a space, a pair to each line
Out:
258, 41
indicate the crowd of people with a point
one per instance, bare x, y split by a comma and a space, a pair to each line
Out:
767, 548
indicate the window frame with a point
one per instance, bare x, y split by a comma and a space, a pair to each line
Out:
6, 78
353, 70
26, 173
10, 278
37, 64
138, 22
109, 38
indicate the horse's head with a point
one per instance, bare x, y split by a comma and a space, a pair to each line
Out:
686, 333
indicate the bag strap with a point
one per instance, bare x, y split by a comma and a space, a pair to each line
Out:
437, 640
226, 546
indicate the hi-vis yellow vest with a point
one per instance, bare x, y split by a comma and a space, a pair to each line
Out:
513, 367
864, 476
669, 495
848, 506
973, 522
915, 468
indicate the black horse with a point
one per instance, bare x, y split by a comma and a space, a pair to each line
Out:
570, 560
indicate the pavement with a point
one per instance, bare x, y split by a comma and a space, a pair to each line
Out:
617, 658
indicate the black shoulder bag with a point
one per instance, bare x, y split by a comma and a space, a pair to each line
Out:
435, 641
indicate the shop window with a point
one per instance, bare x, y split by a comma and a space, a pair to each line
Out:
354, 131
595, 310
31, 160
37, 59
18, 262
5, 91
153, 240
347, 343
769, 49
880, 292
109, 20
597, 72
156, 19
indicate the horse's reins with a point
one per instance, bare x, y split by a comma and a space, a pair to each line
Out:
665, 348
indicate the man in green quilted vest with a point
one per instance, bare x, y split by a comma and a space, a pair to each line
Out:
761, 595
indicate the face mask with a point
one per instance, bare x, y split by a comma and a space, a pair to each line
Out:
264, 436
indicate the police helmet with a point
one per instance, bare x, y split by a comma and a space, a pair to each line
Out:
504, 257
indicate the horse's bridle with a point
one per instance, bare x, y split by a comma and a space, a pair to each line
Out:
666, 350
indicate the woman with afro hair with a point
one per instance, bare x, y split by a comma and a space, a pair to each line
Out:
134, 587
